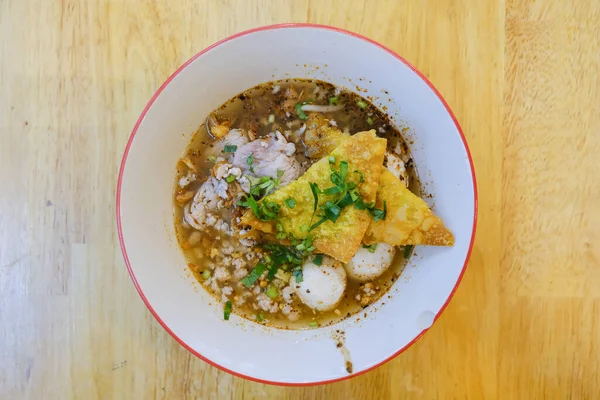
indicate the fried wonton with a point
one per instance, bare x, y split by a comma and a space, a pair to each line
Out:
409, 219
364, 153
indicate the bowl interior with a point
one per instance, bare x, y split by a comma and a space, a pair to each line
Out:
145, 209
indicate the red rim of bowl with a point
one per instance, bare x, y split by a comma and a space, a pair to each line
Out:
159, 91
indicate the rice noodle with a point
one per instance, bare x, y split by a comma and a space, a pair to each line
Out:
323, 109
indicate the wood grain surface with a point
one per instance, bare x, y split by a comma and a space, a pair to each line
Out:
523, 79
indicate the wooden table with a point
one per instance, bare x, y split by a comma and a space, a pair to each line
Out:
522, 78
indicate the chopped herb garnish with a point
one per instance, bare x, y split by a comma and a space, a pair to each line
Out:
300, 111
319, 222
345, 201
331, 159
230, 148
212, 158
250, 162
260, 317
408, 251
227, 311
314, 188
361, 104
332, 212
272, 291
272, 271
360, 175
280, 173
230, 178
333, 100
206, 274
332, 190
306, 244
371, 248
370, 121
318, 260
297, 274
265, 211
290, 202
379, 214
256, 272
304, 227
281, 235
313, 324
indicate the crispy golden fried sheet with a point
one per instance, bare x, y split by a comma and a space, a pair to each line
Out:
340, 240
409, 219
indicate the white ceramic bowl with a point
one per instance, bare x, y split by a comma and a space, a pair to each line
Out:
145, 207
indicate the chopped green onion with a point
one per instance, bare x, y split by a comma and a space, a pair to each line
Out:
212, 158
290, 202
333, 100
280, 173
332, 212
250, 162
314, 188
313, 324
206, 274
407, 251
272, 291
370, 121
319, 222
318, 260
230, 178
361, 104
297, 274
331, 159
260, 317
300, 111
272, 272
271, 118
371, 248
281, 235
230, 148
380, 214
332, 190
360, 175
304, 227
227, 311
344, 169
253, 276
345, 201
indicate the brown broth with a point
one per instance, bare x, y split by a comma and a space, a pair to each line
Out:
253, 110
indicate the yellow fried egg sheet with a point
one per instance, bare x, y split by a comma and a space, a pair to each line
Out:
409, 219
364, 152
